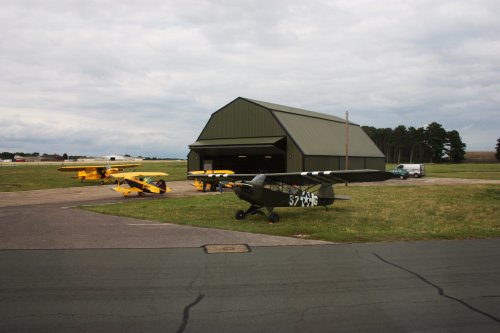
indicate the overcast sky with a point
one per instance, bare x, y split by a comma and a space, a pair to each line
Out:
143, 77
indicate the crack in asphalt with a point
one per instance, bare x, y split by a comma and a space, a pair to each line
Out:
185, 315
439, 289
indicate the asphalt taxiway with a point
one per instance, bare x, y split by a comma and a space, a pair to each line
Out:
67, 270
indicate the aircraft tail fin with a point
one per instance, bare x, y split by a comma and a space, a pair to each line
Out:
326, 191
326, 196
258, 180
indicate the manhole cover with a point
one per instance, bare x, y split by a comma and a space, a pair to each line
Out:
226, 248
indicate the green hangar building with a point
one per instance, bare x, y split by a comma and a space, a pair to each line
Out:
249, 136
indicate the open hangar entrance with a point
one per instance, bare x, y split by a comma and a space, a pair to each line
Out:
249, 136
259, 155
246, 163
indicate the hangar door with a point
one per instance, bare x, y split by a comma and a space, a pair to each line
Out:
242, 155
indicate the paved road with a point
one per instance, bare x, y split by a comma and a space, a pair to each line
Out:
67, 270
400, 287
59, 226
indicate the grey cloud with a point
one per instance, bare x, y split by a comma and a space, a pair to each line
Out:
162, 67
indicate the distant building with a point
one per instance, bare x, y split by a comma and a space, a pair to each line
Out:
114, 158
120, 158
249, 136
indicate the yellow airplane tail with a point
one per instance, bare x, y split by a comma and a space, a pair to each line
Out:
126, 191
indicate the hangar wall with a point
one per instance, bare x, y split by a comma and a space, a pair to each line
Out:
252, 136
194, 162
294, 157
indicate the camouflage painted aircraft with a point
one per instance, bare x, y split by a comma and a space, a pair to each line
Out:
97, 172
141, 183
293, 189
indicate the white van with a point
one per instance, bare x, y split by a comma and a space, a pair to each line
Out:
415, 170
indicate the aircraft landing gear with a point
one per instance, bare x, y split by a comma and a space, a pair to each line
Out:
240, 215
254, 209
273, 217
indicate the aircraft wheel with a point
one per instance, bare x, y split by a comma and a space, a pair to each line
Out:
102, 182
273, 217
141, 194
240, 215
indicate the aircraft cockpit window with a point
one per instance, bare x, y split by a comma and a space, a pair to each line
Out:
282, 187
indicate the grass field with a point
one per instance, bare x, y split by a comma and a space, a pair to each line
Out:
375, 213
34, 176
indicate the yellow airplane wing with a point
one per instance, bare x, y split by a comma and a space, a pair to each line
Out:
123, 166
209, 186
81, 168
138, 174
97, 167
205, 172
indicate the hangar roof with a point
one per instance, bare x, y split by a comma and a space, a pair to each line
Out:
315, 136
301, 112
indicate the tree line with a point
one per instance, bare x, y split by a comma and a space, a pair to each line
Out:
432, 144
64, 157
497, 148
42, 157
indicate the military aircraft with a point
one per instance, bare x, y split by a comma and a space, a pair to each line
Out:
209, 184
97, 172
141, 183
292, 189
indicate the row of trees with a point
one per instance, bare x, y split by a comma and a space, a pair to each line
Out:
497, 154
56, 157
432, 144
43, 157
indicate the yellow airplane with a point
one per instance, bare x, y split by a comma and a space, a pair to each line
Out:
209, 184
141, 183
97, 172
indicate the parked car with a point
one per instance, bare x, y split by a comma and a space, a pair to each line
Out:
400, 173
415, 170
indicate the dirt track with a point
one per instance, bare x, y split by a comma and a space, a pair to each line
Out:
80, 194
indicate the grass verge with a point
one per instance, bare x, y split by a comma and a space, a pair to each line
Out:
34, 176
375, 214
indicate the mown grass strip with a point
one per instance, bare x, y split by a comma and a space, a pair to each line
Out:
375, 213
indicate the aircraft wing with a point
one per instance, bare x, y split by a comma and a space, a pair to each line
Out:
221, 176
340, 176
82, 168
97, 167
137, 174
122, 166
309, 177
